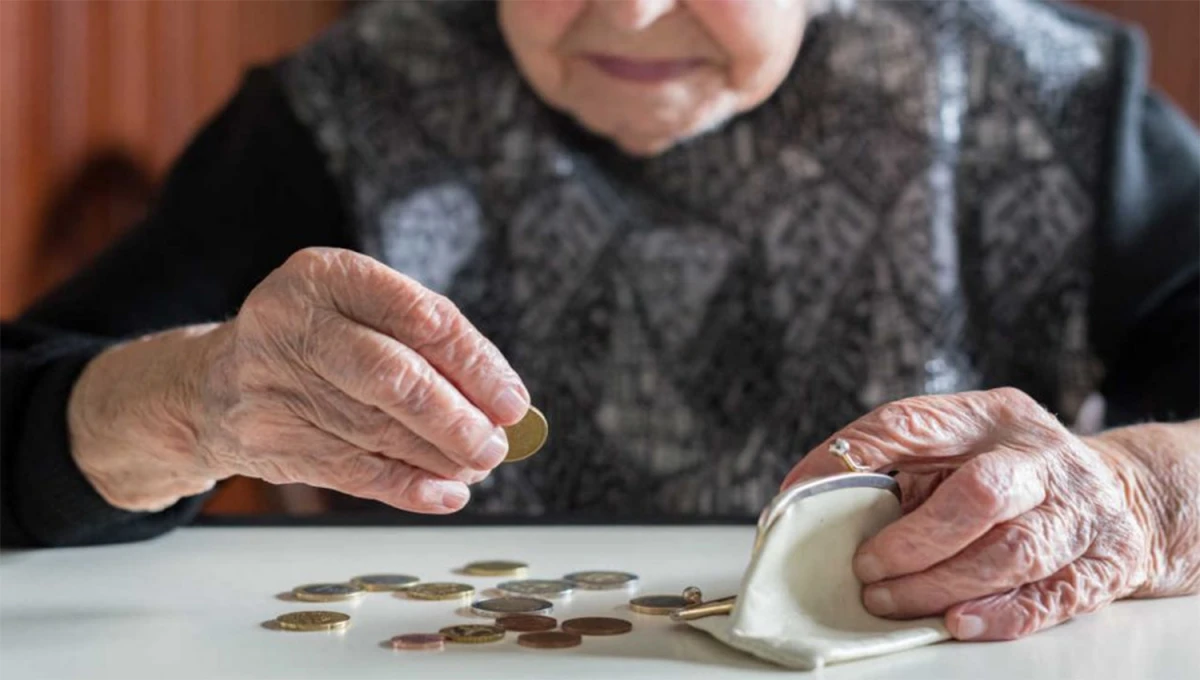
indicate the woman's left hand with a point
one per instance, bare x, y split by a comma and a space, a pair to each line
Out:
1012, 523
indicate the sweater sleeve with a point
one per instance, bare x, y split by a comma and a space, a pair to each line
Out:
251, 189
1146, 281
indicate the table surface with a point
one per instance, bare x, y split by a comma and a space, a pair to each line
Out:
193, 605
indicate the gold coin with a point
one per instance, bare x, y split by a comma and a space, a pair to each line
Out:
439, 591
472, 633
315, 620
527, 436
326, 592
658, 605
383, 582
496, 568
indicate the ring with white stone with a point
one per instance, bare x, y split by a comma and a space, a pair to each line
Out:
841, 448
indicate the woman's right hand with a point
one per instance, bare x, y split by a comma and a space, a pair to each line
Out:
341, 373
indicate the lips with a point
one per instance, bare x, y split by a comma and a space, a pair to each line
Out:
644, 70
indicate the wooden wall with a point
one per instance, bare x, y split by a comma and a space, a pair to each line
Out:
98, 96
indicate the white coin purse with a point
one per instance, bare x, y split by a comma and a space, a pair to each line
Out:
799, 604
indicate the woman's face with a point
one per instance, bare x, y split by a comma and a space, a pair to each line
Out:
648, 73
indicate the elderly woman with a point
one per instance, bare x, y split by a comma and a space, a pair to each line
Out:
704, 236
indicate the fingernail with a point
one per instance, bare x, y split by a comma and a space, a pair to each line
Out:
970, 627
868, 568
455, 496
493, 451
509, 406
878, 601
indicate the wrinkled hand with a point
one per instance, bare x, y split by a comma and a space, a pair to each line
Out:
341, 373
1012, 523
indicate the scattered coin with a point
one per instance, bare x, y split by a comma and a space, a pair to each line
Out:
439, 591
549, 640
693, 595
597, 625
499, 606
602, 580
658, 605
326, 592
419, 641
496, 568
527, 436
473, 634
527, 623
535, 587
384, 582
313, 620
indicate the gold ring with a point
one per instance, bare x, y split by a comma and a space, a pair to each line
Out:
841, 448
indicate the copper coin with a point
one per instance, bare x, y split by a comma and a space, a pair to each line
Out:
527, 623
421, 641
597, 625
549, 640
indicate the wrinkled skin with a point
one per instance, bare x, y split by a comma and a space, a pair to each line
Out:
337, 372
1012, 524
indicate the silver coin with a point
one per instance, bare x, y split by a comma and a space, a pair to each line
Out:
382, 582
602, 580
504, 606
326, 592
536, 587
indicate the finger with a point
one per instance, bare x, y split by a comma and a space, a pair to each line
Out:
1025, 550
376, 370
987, 490
373, 294
402, 486
1077, 588
370, 429
921, 431
916, 488
320, 459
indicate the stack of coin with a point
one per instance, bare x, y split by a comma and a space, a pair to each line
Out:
537, 588
602, 580
549, 640
597, 625
527, 623
419, 642
438, 591
384, 582
312, 620
500, 606
496, 568
658, 605
473, 634
326, 592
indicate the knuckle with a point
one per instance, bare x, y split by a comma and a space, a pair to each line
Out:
387, 434
431, 320
1031, 614
1017, 555
466, 434
410, 386
981, 487
912, 420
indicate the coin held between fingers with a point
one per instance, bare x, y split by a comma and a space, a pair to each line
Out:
527, 436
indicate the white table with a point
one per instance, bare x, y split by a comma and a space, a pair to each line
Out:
192, 604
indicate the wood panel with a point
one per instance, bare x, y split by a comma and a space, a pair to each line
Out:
99, 97
1173, 27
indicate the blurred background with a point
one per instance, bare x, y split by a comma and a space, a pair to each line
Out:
97, 97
